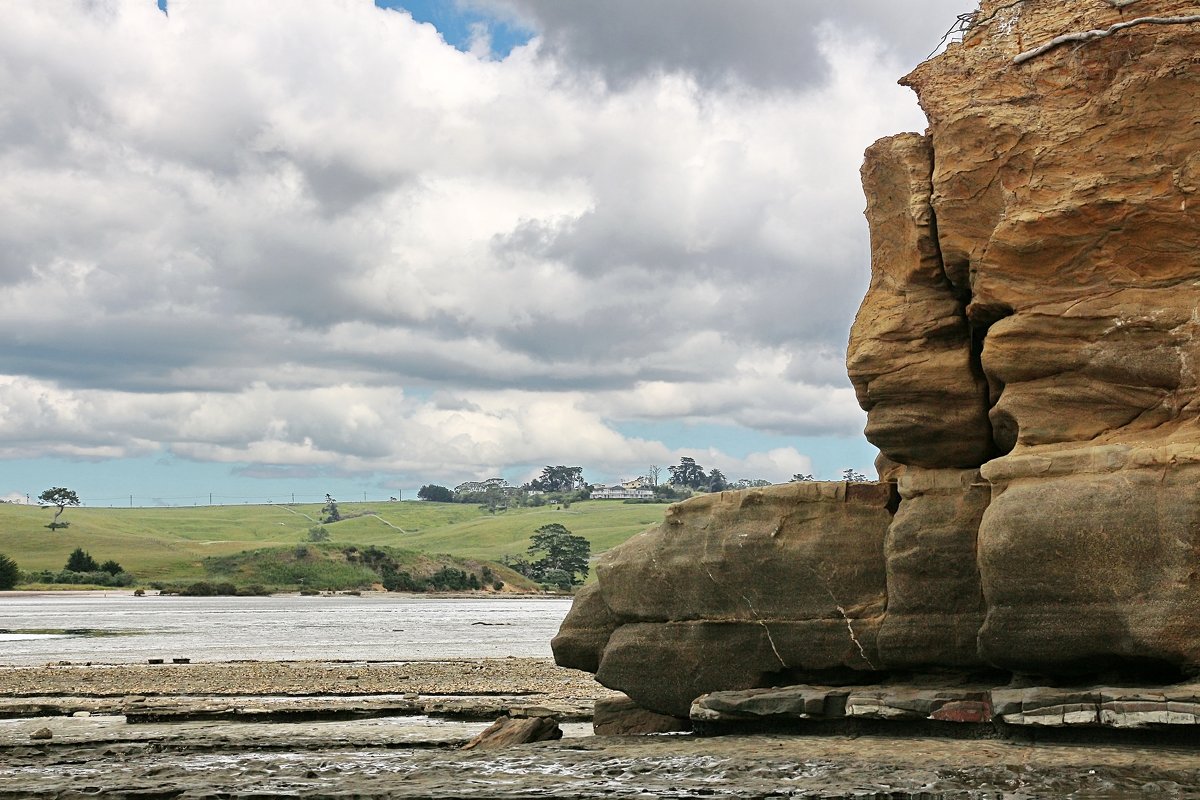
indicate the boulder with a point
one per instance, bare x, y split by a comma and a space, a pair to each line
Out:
736, 590
620, 716
507, 731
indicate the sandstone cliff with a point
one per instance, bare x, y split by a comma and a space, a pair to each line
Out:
1026, 356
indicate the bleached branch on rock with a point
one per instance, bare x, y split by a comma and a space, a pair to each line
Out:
1101, 33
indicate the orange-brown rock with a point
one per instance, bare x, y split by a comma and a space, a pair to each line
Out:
1027, 356
1064, 170
910, 355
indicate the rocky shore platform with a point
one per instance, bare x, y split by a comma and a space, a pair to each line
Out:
396, 729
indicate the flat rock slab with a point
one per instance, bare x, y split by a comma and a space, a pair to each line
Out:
657, 766
1161, 708
141, 710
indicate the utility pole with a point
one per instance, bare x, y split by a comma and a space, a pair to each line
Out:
210, 498
131, 501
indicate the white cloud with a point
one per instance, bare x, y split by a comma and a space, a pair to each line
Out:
264, 232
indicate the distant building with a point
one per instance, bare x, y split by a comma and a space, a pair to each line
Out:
621, 492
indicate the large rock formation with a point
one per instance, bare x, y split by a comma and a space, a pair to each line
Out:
1026, 356
737, 590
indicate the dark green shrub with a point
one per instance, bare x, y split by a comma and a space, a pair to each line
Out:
557, 579
449, 578
81, 561
401, 581
111, 567
9, 573
206, 589
498, 585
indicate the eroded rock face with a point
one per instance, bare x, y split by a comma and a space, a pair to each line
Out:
1026, 354
910, 356
736, 590
935, 600
1063, 193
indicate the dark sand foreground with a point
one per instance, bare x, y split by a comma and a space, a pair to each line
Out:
362, 730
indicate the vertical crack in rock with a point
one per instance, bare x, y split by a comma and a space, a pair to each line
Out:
757, 618
767, 630
909, 355
845, 617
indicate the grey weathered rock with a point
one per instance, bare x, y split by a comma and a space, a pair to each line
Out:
620, 716
506, 732
935, 600
42, 734
735, 590
1175, 706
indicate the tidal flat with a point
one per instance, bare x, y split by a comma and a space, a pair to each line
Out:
224, 730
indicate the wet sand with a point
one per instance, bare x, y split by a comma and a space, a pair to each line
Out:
411, 755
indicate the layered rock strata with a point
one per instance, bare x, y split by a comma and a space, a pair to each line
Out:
1026, 354
1174, 707
737, 590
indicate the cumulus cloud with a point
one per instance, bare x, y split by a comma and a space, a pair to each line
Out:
761, 43
313, 235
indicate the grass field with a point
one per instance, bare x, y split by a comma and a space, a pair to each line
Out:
169, 544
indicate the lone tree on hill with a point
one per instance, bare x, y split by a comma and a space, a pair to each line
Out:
435, 494
330, 510
60, 498
563, 555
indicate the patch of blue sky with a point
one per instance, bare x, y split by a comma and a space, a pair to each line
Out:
830, 454
166, 480
457, 23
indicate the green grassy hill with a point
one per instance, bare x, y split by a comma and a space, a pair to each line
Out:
171, 544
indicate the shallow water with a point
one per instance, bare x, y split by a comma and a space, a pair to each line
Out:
79, 627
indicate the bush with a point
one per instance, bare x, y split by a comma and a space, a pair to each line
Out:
111, 567
317, 534
96, 578
435, 494
449, 578
401, 581
557, 579
206, 589
81, 561
9, 574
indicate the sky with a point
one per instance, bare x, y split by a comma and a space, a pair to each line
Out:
256, 251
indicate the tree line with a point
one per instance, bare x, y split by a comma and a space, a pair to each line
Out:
564, 485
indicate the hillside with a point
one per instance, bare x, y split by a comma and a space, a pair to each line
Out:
171, 544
